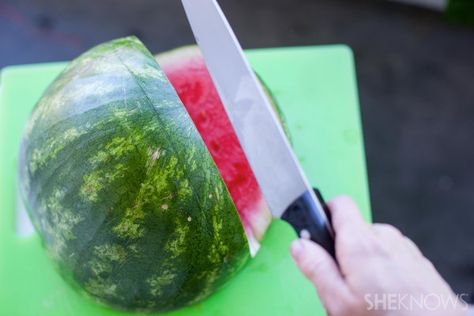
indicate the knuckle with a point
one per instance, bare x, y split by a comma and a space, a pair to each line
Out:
350, 238
429, 264
393, 230
357, 243
411, 244
388, 229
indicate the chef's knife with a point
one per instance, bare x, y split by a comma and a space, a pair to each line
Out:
283, 183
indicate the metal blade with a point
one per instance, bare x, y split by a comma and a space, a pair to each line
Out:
253, 118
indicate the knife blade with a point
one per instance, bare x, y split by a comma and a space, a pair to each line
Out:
275, 166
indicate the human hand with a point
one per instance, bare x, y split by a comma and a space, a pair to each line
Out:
379, 271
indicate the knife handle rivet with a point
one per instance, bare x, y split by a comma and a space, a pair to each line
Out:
305, 234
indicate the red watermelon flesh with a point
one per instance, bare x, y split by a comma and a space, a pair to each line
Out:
187, 72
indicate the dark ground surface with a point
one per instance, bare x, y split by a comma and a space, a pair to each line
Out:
416, 83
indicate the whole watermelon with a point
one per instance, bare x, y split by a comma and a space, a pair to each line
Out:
122, 189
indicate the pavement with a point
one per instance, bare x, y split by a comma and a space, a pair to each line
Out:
416, 83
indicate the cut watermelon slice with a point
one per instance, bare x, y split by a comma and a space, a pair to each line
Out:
188, 74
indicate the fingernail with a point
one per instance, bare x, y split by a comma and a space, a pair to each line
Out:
296, 248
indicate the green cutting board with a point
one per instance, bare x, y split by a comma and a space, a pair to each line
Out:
317, 91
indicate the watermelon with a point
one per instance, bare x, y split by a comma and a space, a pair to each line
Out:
187, 72
128, 200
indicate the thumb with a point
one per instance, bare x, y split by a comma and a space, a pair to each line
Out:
321, 269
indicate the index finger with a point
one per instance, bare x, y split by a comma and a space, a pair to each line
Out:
345, 214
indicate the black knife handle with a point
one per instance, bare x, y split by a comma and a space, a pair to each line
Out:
306, 214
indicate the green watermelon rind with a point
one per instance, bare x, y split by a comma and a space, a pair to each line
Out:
120, 186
